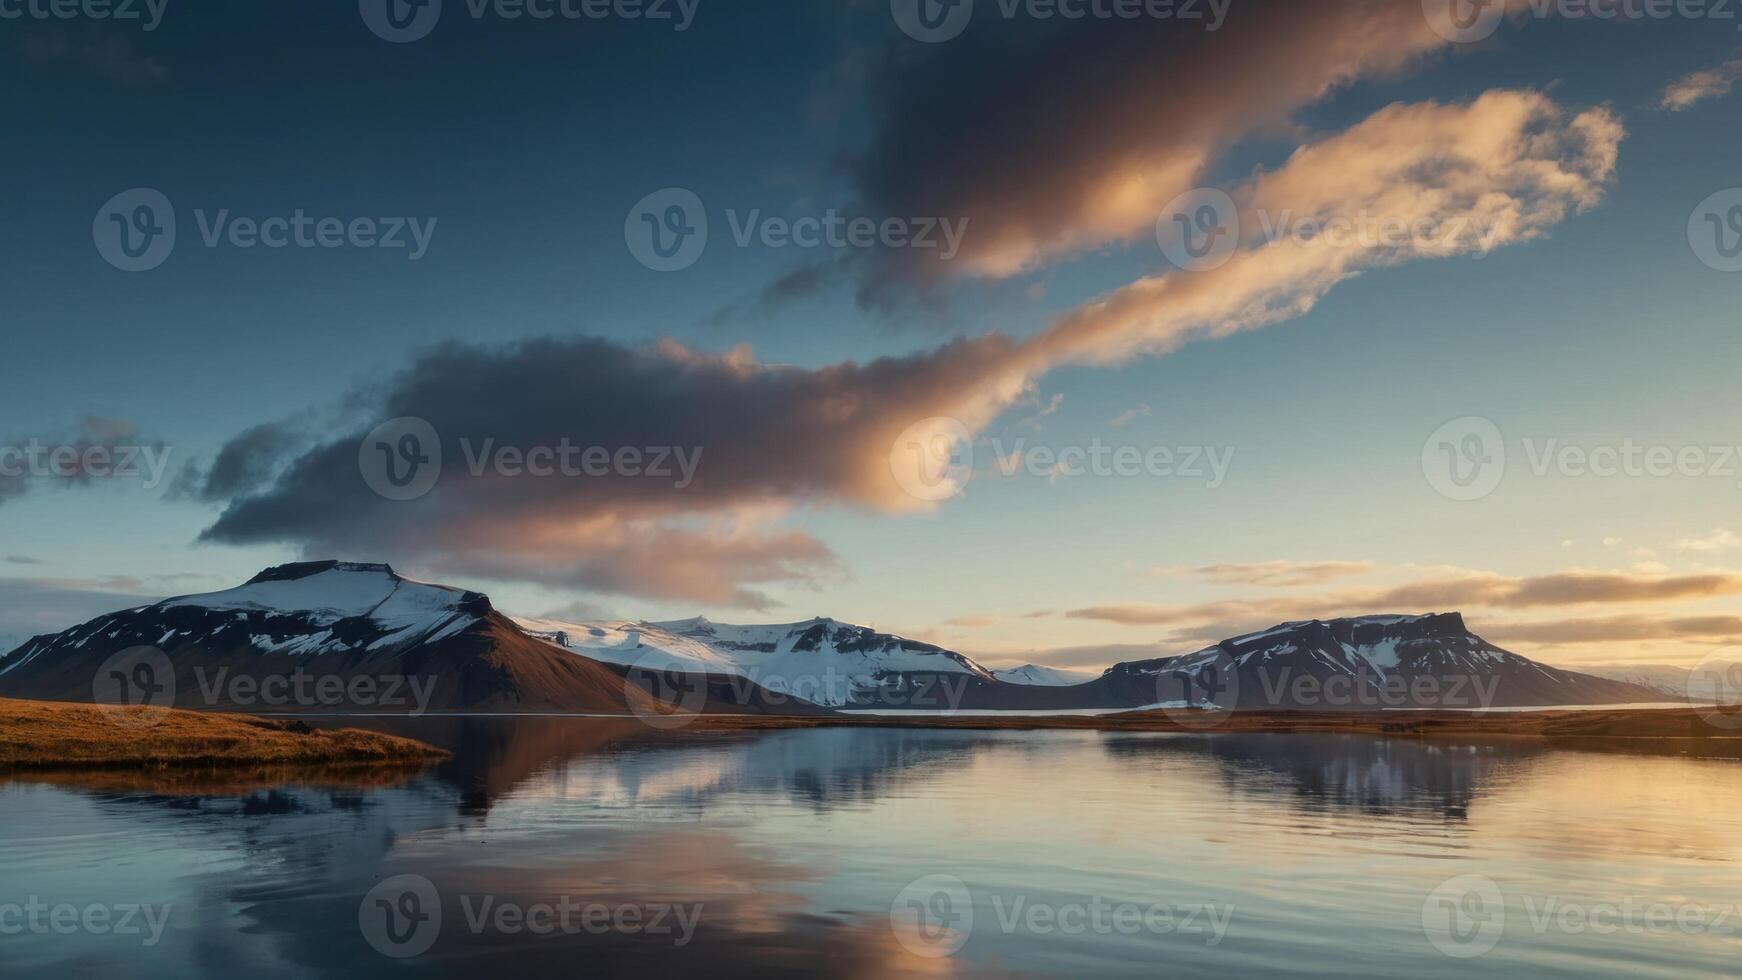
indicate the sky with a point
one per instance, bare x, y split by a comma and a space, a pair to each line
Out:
1064, 340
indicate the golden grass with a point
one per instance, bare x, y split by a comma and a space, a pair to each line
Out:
55, 735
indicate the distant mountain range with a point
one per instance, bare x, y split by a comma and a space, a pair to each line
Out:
357, 627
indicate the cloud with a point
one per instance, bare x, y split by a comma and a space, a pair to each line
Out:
24, 560
1504, 168
1478, 590
1061, 137
1618, 629
101, 449
1721, 539
1685, 92
974, 622
1277, 573
1129, 416
769, 438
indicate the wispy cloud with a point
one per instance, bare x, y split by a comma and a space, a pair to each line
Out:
1618, 629
1129, 416
1273, 573
1721, 539
1686, 92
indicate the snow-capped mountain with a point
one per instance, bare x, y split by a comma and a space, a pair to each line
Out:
356, 628
1036, 675
1430, 661
1714, 681
450, 650
820, 660
1365, 663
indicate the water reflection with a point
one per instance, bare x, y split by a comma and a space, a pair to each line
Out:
794, 844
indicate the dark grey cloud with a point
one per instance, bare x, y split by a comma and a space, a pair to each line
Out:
769, 438
1056, 136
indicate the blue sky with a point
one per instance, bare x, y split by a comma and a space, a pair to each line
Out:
529, 143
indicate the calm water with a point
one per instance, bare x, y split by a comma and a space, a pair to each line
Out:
583, 847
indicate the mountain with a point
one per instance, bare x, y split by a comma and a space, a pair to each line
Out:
342, 636
338, 636
1039, 676
1370, 662
1713, 681
820, 660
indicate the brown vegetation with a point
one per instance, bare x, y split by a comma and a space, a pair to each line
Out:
53, 735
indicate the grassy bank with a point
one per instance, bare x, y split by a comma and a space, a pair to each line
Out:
55, 735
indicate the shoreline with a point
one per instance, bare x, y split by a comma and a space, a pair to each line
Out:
1572, 723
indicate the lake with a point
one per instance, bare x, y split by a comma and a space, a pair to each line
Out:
595, 847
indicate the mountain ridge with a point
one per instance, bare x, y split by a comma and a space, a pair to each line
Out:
356, 620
